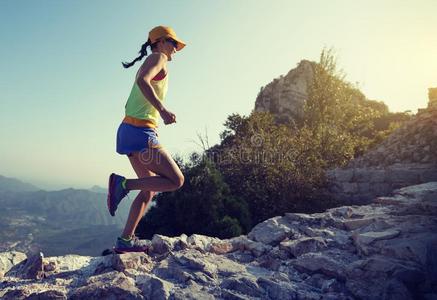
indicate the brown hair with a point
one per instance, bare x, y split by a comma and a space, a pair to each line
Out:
142, 52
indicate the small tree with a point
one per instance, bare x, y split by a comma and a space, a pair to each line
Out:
337, 108
204, 205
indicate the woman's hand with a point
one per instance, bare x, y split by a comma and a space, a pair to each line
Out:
168, 117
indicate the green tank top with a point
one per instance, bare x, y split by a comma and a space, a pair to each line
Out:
139, 107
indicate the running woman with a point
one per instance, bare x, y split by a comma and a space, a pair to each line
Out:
137, 135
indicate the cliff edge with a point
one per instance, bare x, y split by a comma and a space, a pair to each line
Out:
384, 250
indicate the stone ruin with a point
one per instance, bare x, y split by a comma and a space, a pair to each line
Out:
408, 156
432, 95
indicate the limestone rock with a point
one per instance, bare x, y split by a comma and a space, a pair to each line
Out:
271, 231
17, 294
318, 262
357, 223
396, 290
278, 290
10, 259
303, 245
193, 291
425, 192
221, 247
112, 285
30, 268
384, 249
285, 96
133, 260
245, 285
202, 242
192, 261
154, 287
75, 265
242, 243
163, 244
48, 295
369, 237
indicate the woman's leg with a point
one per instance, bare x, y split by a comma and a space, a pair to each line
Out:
145, 164
169, 177
140, 203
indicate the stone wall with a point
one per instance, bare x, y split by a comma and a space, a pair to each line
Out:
361, 185
415, 142
408, 156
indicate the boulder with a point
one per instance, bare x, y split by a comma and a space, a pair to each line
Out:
246, 285
111, 285
132, 260
272, 231
10, 259
320, 263
424, 192
221, 247
48, 295
192, 291
243, 243
195, 262
202, 242
278, 290
30, 268
153, 287
357, 223
303, 245
16, 294
163, 244
368, 237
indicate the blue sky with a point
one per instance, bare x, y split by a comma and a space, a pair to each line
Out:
63, 87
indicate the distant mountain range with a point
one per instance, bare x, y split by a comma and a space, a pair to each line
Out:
57, 222
98, 189
15, 185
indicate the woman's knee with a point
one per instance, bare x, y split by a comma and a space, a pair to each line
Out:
178, 181
146, 196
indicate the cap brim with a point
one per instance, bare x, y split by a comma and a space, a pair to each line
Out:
181, 44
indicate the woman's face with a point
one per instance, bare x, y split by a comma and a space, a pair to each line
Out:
168, 47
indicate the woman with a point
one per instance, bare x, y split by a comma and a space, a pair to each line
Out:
137, 135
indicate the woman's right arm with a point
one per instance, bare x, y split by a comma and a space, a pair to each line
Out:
151, 67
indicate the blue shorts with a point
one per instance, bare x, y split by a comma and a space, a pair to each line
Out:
132, 138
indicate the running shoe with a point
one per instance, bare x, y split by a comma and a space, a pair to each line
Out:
131, 245
116, 192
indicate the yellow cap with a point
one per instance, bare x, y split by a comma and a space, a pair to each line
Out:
164, 31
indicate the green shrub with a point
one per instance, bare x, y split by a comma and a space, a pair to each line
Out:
204, 205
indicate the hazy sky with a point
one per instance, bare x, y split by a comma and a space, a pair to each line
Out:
63, 87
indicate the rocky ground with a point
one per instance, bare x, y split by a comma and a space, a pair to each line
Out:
384, 250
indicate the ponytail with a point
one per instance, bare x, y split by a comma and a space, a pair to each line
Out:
143, 52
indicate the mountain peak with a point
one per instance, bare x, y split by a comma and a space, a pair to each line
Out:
98, 189
285, 96
15, 185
